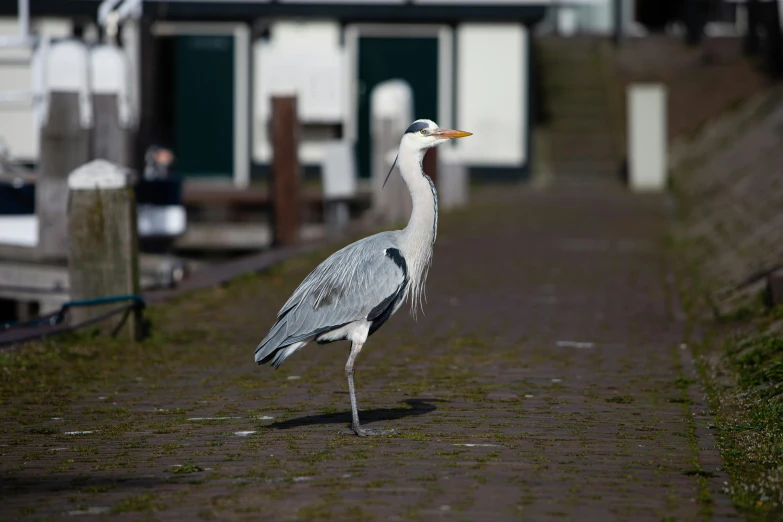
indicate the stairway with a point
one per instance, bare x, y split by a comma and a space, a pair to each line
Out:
580, 130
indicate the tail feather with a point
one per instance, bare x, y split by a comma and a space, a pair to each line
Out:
271, 343
277, 345
282, 354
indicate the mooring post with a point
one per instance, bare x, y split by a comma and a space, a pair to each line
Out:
110, 87
66, 119
338, 175
392, 201
103, 252
285, 183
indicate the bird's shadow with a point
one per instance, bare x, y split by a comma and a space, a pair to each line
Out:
415, 407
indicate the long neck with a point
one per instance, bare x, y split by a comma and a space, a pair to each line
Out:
423, 224
418, 237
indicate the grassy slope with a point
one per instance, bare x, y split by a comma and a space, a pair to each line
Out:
740, 359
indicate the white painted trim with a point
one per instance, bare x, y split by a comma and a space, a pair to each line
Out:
242, 65
351, 72
445, 78
445, 36
242, 107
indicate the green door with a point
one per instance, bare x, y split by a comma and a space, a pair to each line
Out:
204, 106
414, 60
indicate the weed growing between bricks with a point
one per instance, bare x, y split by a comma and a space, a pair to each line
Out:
740, 359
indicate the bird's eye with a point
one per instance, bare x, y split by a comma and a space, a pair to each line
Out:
424, 131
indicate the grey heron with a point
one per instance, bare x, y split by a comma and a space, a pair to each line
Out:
358, 288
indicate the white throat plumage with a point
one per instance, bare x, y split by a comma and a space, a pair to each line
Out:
418, 238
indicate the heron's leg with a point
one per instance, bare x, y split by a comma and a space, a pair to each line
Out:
355, 349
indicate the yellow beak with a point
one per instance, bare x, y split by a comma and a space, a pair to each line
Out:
449, 134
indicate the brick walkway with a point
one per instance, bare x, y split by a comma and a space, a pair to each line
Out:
543, 383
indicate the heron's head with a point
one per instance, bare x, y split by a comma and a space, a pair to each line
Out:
425, 134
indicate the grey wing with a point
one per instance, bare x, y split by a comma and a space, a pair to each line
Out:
363, 280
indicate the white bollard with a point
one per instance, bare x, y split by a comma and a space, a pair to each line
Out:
453, 180
567, 21
391, 111
647, 147
110, 87
339, 183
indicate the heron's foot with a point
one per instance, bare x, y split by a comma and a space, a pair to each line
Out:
364, 432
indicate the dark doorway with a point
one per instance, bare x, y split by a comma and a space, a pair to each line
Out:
414, 60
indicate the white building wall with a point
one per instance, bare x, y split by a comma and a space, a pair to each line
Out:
306, 59
17, 121
17, 124
492, 93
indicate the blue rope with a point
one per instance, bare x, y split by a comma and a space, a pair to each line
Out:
58, 317
105, 300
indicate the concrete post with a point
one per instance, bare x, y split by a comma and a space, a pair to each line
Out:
647, 137
391, 111
391, 203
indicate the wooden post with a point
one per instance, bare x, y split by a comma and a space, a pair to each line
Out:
103, 251
285, 179
65, 142
430, 165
